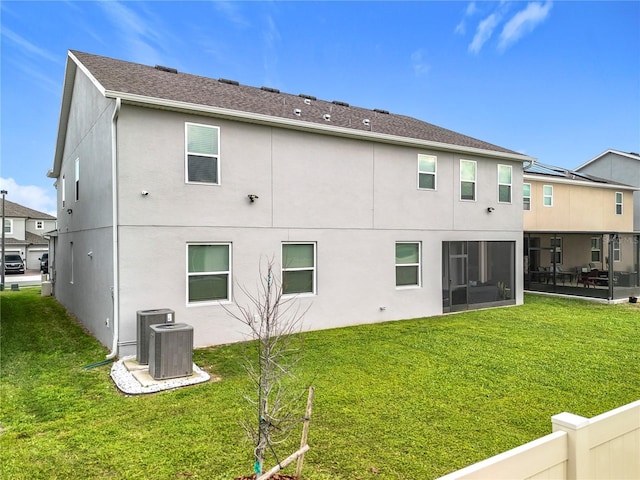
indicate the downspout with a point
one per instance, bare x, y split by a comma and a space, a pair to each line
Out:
115, 289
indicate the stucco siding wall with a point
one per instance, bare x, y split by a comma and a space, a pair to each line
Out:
619, 169
83, 282
577, 208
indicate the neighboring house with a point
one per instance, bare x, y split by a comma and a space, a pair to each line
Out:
24, 230
619, 167
578, 234
173, 190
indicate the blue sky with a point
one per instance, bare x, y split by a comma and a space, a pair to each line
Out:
559, 81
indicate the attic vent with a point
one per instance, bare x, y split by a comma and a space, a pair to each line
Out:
308, 97
327, 117
366, 122
386, 112
342, 104
269, 89
297, 112
228, 82
165, 69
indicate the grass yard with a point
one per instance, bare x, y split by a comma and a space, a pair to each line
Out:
399, 400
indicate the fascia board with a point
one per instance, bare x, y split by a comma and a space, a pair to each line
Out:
307, 126
581, 183
615, 152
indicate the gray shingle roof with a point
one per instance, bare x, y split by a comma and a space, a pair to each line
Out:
546, 170
120, 77
16, 210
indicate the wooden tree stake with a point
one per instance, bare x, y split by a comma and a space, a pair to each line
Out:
305, 430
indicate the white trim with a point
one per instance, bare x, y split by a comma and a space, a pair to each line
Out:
615, 152
544, 195
526, 196
475, 181
314, 269
434, 173
510, 184
309, 126
10, 220
197, 274
621, 203
186, 153
419, 264
548, 179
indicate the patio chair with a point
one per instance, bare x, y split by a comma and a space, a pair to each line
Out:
588, 278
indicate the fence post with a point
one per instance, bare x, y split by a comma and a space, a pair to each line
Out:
577, 429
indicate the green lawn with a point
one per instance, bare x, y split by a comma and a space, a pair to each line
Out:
409, 399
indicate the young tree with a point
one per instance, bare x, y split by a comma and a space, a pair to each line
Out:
274, 322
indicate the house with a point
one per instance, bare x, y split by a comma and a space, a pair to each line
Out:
621, 167
578, 234
174, 189
24, 230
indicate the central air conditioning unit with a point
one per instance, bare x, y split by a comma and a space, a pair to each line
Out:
146, 318
170, 351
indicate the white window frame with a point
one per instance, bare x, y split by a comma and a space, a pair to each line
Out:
619, 203
77, 180
187, 153
64, 192
434, 174
39, 224
418, 264
474, 181
617, 251
8, 222
546, 196
596, 246
197, 274
313, 269
510, 184
526, 199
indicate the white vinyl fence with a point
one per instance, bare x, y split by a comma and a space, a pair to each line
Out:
603, 447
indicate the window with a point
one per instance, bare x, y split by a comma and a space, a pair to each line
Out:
63, 192
427, 172
202, 153
208, 272
8, 226
526, 196
408, 264
468, 170
72, 267
596, 249
298, 268
77, 181
618, 203
504, 183
556, 250
39, 225
547, 195
617, 254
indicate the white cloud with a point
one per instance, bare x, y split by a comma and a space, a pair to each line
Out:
471, 10
232, 13
523, 22
484, 32
30, 196
272, 38
420, 66
27, 46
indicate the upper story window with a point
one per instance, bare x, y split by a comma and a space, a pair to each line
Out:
202, 153
208, 272
408, 264
8, 226
427, 165
298, 268
63, 191
618, 203
526, 196
547, 195
504, 183
77, 179
39, 225
468, 178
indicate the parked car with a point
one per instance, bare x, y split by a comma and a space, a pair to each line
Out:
13, 263
44, 263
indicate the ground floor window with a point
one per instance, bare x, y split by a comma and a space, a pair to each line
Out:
408, 264
298, 268
208, 272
